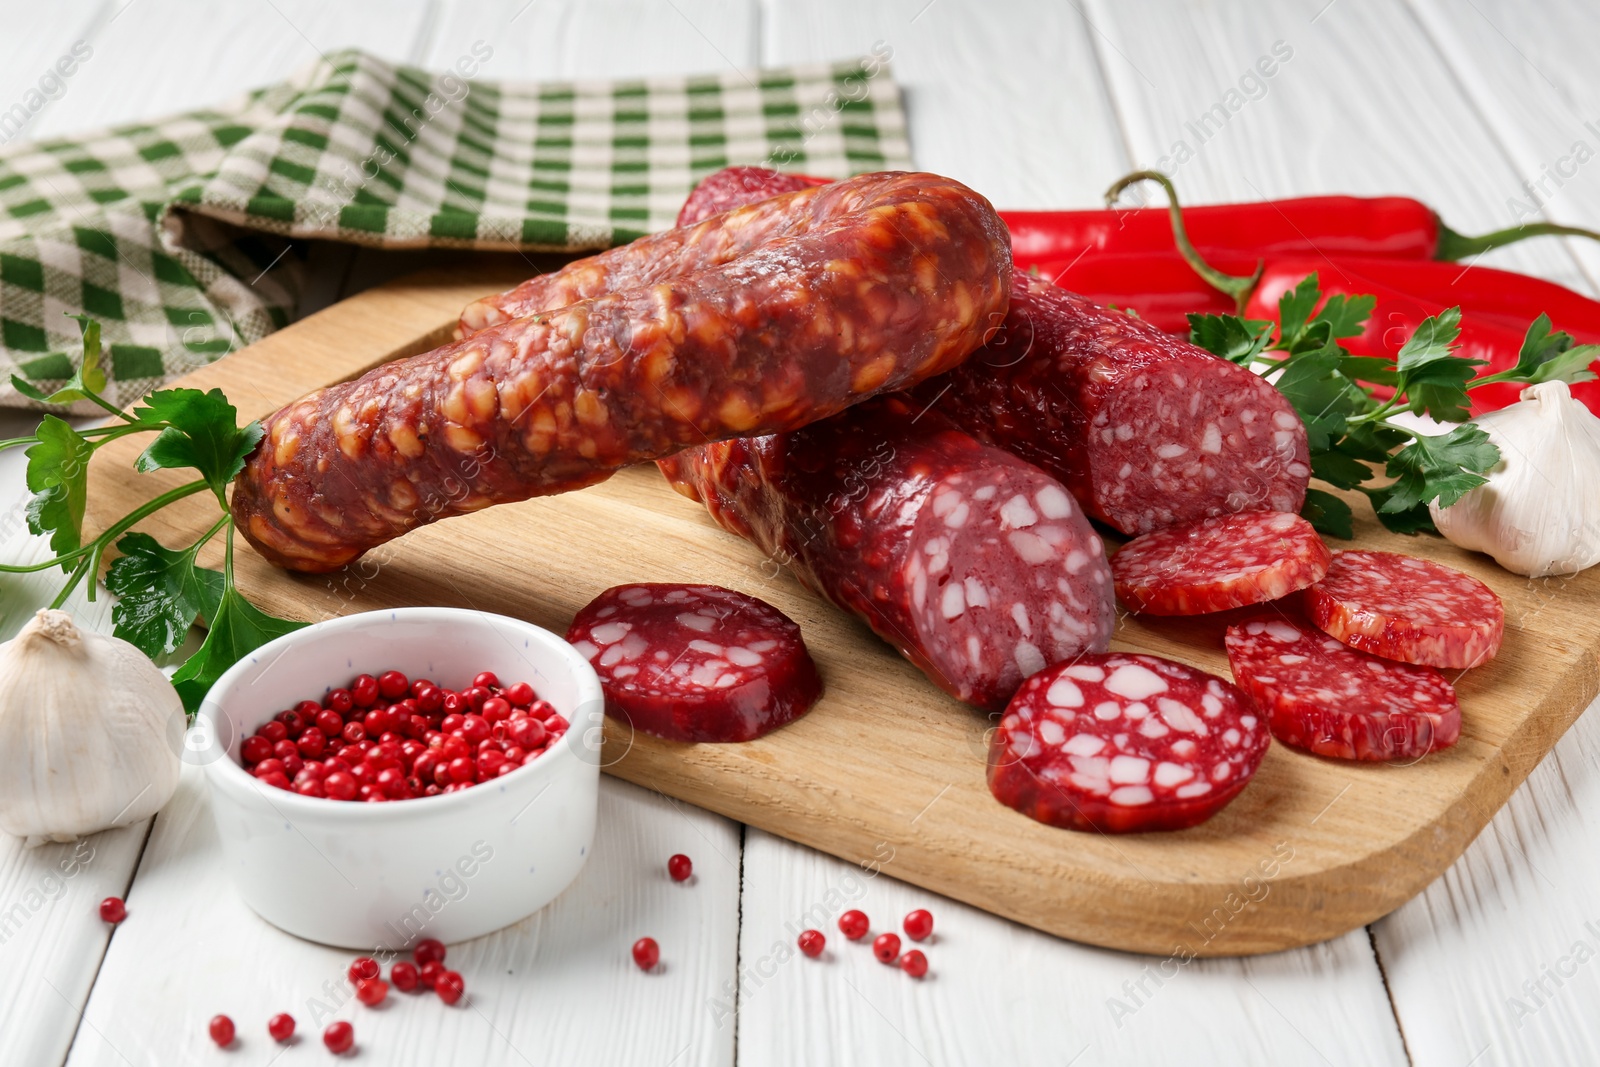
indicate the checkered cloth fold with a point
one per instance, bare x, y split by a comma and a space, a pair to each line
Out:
183, 236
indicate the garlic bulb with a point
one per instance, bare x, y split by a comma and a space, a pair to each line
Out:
90, 732
1539, 513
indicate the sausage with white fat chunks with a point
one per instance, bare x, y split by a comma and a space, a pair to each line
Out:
978, 567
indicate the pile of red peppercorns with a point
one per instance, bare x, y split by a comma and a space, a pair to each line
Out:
393, 738
886, 947
366, 975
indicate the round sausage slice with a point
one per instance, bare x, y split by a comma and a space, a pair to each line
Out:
1328, 698
1216, 564
696, 662
1120, 742
1409, 609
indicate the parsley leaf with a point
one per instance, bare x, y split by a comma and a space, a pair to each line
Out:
161, 593
58, 475
1234, 339
1328, 514
237, 629
1410, 520
1294, 309
89, 379
1346, 315
1431, 375
1549, 355
198, 430
1441, 468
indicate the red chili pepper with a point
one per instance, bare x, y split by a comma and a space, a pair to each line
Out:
1391, 227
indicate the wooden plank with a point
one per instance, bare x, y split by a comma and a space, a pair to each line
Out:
158, 57
1527, 71
191, 949
1170, 63
997, 993
1363, 838
1008, 100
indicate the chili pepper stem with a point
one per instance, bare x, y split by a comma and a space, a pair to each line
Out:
1453, 245
1239, 288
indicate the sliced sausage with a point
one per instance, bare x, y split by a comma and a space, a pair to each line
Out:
1409, 609
696, 662
1328, 698
1121, 742
886, 279
978, 567
1220, 563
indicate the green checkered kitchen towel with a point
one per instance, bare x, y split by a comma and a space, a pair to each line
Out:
182, 236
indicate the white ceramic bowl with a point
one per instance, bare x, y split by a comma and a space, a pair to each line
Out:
380, 876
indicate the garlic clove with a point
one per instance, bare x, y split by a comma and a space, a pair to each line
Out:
1539, 513
91, 732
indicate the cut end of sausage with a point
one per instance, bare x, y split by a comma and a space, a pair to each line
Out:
1005, 576
696, 662
1122, 742
1410, 609
1230, 561
1330, 699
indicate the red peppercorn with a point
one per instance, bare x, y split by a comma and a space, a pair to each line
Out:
340, 785
113, 910
392, 685
270, 765
377, 721
278, 780
475, 697
371, 991
281, 1026
886, 947
292, 764
221, 1029
646, 953
429, 974
520, 695
463, 770
529, 733
496, 708
428, 950
362, 968
429, 700
474, 729
918, 924
339, 701
556, 724
914, 963
310, 787
680, 867
404, 976
273, 730
854, 925
449, 985
352, 732
255, 749
364, 691
329, 721
339, 1037
452, 702
312, 743
812, 942
294, 722
486, 680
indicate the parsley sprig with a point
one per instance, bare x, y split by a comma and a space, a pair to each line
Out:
1349, 428
161, 592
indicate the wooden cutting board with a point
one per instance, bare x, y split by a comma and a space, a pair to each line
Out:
887, 771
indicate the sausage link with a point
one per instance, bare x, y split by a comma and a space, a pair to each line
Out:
878, 283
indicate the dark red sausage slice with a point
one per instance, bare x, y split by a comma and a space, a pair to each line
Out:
1328, 698
1216, 564
1409, 609
978, 567
696, 662
733, 187
1120, 742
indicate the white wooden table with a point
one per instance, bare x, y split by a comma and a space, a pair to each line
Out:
1036, 103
